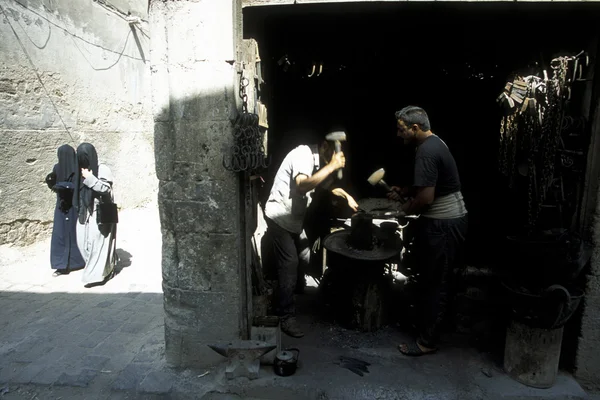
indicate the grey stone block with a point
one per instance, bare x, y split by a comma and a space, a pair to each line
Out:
88, 327
94, 339
214, 103
131, 376
105, 304
73, 356
150, 353
220, 396
136, 307
110, 326
118, 362
216, 270
195, 217
28, 373
195, 319
157, 382
53, 356
170, 258
36, 351
164, 148
50, 374
136, 327
81, 379
148, 296
123, 338
93, 362
109, 347
64, 318
186, 188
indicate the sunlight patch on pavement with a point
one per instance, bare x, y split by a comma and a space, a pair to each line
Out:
27, 269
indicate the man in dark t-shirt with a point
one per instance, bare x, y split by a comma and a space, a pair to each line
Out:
440, 229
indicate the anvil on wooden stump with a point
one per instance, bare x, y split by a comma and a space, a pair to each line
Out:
243, 357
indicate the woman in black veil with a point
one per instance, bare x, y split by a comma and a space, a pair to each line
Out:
64, 253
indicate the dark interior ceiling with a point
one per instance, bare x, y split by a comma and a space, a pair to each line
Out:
453, 59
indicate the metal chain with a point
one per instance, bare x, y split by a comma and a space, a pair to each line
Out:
501, 153
537, 132
248, 151
513, 143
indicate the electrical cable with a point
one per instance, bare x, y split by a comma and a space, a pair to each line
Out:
37, 74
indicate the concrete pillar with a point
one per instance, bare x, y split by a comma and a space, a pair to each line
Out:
194, 87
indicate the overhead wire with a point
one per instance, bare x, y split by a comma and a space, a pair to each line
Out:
74, 35
37, 74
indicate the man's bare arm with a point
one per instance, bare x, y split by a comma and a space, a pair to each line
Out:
304, 184
423, 198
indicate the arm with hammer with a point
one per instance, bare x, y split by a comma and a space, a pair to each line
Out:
337, 137
335, 162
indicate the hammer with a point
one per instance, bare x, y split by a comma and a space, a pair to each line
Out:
337, 137
376, 178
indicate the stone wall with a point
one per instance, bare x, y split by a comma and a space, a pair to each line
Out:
193, 53
71, 71
588, 362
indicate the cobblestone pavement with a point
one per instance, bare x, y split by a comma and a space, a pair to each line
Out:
57, 333
59, 340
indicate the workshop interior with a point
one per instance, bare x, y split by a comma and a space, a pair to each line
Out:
507, 86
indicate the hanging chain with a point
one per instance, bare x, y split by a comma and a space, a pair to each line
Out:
244, 82
501, 152
248, 151
532, 131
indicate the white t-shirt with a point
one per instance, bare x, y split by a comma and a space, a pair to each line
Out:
285, 206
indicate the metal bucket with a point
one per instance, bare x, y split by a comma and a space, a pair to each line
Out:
531, 355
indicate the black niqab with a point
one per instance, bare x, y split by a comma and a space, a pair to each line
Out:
66, 169
87, 158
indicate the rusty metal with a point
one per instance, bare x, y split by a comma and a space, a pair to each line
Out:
243, 357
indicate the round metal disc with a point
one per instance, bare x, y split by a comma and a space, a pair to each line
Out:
337, 243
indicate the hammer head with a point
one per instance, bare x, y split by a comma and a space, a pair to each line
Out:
376, 176
339, 136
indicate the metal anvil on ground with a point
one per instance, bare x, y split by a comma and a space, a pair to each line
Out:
243, 357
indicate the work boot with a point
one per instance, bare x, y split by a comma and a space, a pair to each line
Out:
290, 327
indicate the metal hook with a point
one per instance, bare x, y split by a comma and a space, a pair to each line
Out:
313, 70
320, 69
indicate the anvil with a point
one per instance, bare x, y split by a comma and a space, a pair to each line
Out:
243, 357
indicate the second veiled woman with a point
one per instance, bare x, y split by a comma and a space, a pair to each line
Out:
96, 242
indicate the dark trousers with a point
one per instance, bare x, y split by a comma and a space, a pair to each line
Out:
439, 247
289, 250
